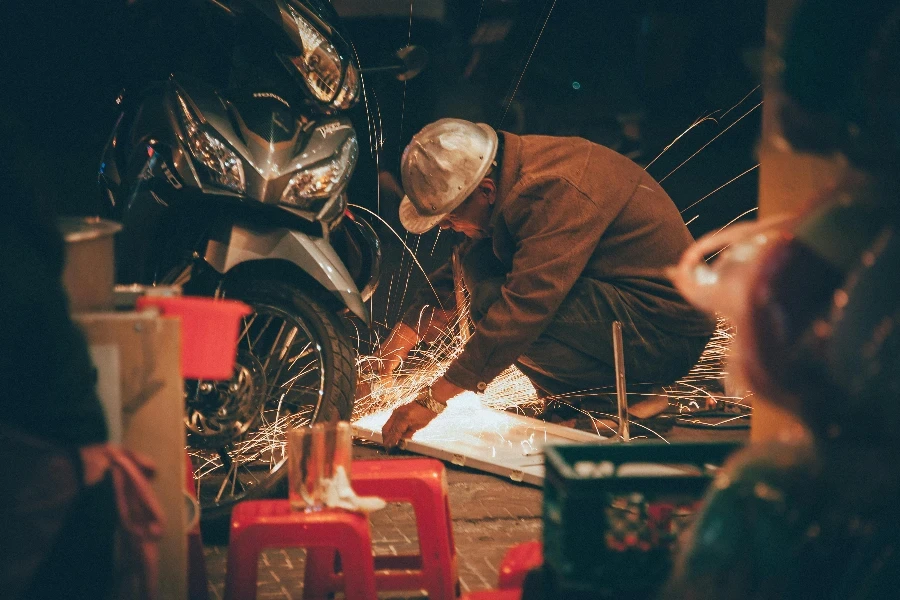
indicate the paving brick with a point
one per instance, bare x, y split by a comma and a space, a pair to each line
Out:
490, 514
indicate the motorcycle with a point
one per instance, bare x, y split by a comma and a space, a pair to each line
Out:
237, 190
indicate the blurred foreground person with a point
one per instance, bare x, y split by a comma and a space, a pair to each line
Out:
564, 237
57, 517
64, 486
817, 306
66, 489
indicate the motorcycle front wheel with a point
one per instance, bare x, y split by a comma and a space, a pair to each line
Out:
295, 366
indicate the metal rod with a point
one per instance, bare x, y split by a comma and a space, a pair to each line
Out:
382, 69
622, 400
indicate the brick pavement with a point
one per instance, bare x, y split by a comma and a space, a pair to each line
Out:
490, 515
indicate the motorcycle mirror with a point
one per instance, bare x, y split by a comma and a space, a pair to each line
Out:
413, 60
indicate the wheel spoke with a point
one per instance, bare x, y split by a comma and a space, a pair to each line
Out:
287, 344
281, 364
290, 382
307, 350
259, 335
275, 342
248, 323
230, 466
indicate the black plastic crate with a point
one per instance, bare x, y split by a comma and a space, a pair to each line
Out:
611, 521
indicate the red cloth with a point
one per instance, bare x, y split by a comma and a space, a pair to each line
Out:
140, 515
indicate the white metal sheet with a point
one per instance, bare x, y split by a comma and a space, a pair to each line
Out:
471, 435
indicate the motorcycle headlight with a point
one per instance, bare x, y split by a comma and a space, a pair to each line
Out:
349, 89
220, 166
322, 67
318, 188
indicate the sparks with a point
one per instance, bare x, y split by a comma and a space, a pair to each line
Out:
703, 388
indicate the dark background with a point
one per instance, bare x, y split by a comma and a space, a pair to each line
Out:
631, 75
598, 69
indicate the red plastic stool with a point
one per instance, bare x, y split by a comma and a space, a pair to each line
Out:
494, 595
197, 580
517, 561
258, 524
421, 482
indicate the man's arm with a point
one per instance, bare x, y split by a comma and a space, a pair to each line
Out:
423, 321
396, 348
556, 228
438, 295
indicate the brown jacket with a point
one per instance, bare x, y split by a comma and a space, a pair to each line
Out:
568, 208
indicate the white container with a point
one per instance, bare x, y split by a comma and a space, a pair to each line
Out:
89, 274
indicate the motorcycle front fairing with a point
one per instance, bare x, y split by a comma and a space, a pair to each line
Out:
150, 190
291, 154
234, 187
315, 255
194, 152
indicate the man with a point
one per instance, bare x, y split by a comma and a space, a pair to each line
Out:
565, 237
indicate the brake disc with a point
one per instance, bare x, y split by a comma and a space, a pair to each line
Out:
220, 412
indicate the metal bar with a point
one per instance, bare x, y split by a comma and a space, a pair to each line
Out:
622, 400
382, 69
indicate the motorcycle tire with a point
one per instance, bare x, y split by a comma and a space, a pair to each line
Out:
295, 366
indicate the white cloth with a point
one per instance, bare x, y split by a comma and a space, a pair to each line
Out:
338, 493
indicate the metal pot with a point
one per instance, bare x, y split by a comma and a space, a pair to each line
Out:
89, 275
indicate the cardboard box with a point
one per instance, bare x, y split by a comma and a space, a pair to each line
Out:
138, 356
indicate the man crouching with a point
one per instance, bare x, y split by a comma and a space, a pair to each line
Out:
564, 237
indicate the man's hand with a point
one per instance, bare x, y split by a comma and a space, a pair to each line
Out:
94, 463
395, 350
381, 367
409, 418
405, 421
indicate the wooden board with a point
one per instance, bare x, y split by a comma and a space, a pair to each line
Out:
142, 354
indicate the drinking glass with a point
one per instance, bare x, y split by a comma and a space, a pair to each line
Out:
338, 448
306, 466
314, 456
